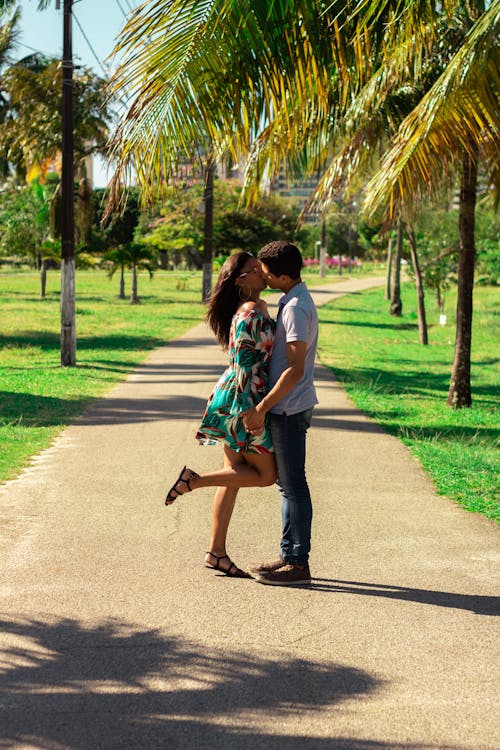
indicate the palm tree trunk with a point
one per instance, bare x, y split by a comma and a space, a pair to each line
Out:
350, 245
134, 299
68, 313
396, 307
419, 284
389, 269
322, 250
208, 199
121, 294
43, 278
459, 394
439, 299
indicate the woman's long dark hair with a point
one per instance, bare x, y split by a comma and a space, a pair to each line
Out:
225, 297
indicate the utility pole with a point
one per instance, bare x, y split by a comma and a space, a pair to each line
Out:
68, 323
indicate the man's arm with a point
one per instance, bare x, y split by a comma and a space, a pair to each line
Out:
253, 419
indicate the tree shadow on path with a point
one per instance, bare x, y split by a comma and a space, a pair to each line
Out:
66, 685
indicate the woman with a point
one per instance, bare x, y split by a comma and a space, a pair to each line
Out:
241, 323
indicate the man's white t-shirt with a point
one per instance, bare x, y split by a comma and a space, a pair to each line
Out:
297, 321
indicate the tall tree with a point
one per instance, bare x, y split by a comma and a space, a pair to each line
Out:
9, 33
31, 133
456, 123
419, 284
396, 306
66, 137
134, 256
285, 84
459, 394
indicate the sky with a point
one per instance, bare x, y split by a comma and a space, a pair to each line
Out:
101, 21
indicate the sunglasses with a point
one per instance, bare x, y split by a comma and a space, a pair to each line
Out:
246, 273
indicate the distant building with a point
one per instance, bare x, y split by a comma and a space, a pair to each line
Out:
297, 192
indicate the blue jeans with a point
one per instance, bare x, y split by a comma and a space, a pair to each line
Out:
289, 440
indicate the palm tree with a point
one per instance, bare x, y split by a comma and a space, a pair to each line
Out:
456, 124
304, 86
8, 36
208, 74
31, 131
135, 257
68, 310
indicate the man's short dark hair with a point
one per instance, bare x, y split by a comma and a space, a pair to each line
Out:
282, 257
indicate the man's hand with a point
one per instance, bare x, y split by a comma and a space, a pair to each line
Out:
253, 421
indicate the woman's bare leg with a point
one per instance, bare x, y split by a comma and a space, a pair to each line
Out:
243, 470
255, 470
222, 510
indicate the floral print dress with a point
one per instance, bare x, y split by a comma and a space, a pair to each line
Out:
243, 385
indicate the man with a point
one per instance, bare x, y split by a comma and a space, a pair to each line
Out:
290, 403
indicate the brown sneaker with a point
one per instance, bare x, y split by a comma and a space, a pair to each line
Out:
287, 575
267, 567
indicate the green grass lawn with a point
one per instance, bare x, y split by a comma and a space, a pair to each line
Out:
388, 374
403, 386
37, 396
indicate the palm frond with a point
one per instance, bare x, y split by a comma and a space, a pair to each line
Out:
460, 114
9, 34
211, 75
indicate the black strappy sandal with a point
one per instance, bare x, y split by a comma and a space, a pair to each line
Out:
191, 475
232, 571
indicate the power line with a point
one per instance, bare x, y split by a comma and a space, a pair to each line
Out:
33, 49
106, 72
121, 99
120, 6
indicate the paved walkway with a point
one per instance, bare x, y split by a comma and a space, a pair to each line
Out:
114, 635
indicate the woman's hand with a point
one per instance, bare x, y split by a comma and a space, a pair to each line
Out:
253, 421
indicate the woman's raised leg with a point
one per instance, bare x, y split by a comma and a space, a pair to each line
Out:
255, 470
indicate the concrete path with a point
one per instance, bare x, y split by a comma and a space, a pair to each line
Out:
114, 635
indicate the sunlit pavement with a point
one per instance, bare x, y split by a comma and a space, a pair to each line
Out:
114, 635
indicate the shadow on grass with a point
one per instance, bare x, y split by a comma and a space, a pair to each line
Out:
51, 341
30, 410
444, 433
404, 379
345, 419
339, 291
390, 420
111, 685
47, 340
340, 307
42, 339
364, 324
479, 605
